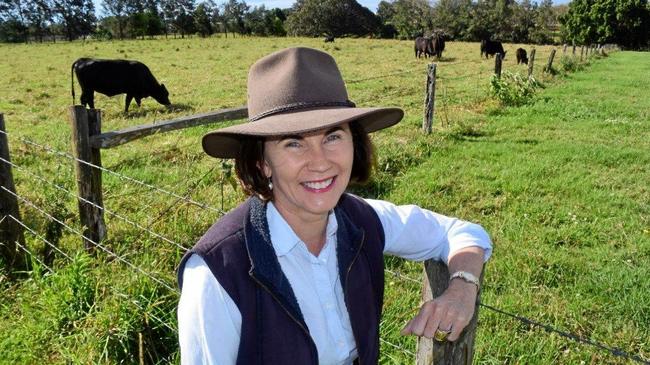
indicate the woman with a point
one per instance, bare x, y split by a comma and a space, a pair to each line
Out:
295, 273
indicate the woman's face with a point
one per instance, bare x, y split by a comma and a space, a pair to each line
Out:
309, 171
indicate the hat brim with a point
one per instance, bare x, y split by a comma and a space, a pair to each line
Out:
224, 142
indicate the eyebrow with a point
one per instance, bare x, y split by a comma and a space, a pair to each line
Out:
300, 137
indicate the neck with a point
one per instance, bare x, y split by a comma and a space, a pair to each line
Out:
310, 229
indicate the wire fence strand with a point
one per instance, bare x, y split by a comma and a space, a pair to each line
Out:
157, 235
39, 236
124, 177
118, 257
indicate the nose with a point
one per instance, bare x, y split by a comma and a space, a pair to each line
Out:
318, 160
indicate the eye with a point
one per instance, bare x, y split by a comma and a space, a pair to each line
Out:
292, 144
334, 137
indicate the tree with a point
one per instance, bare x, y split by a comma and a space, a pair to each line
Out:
452, 16
76, 16
39, 17
118, 10
524, 14
545, 21
234, 13
13, 14
625, 22
491, 19
410, 18
178, 16
331, 17
385, 14
203, 20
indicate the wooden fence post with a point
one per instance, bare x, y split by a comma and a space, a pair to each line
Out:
429, 99
497, 65
564, 49
10, 231
85, 124
531, 62
574, 49
461, 351
582, 51
549, 65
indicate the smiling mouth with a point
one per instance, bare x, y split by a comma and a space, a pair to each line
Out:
319, 185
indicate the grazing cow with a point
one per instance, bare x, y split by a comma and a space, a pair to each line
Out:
112, 77
328, 38
438, 44
423, 45
521, 56
490, 48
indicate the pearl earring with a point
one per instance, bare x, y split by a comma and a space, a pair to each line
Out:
270, 184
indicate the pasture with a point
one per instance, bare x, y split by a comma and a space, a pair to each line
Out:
561, 185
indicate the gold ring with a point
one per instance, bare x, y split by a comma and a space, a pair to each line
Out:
441, 336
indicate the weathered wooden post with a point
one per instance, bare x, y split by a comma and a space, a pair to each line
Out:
549, 65
582, 51
85, 124
430, 352
10, 231
564, 49
574, 49
531, 62
429, 99
497, 65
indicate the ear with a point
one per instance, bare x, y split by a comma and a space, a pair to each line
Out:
265, 168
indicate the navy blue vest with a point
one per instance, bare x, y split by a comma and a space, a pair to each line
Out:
238, 251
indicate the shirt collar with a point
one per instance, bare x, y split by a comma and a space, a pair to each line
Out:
283, 238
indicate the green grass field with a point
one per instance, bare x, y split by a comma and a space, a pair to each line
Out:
561, 185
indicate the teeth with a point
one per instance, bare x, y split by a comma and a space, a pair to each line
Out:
319, 185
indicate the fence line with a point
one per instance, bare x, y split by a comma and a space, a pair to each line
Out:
39, 236
397, 347
613, 350
128, 178
157, 235
33, 256
89, 240
548, 328
381, 76
71, 259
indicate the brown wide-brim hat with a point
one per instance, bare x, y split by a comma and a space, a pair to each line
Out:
294, 91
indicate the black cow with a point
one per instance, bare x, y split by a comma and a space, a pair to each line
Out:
438, 44
522, 57
423, 45
490, 48
112, 77
328, 38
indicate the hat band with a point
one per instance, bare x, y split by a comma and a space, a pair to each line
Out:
301, 105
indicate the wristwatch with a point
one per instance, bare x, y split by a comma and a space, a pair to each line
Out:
467, 277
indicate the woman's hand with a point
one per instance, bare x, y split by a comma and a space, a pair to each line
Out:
453, 310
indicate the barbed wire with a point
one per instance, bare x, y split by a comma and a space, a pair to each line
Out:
157, 235
39, 236
382, 76
399, 275
118, 257
397, 346
128, 178
34, 257
613, 350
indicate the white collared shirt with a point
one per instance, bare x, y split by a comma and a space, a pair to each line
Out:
209, 322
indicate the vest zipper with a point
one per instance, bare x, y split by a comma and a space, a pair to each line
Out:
285, 310
347, 276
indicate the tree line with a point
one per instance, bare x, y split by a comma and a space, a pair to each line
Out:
625, 22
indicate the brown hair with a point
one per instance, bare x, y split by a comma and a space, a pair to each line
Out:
251, 157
